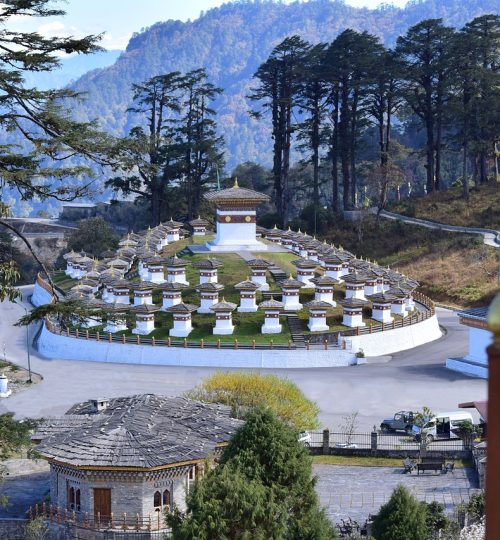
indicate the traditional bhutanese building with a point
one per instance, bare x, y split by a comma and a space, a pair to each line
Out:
134, 456
236, 214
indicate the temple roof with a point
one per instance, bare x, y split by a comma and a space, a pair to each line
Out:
209, 264
223, 306
199, 222
209, 287
271, 304
304, 263
182, 308
143, 285
143, 431
145, 308
175, 261
352, 302
171, 286
291, 283
236, 194
258, 263
324, 280
246, 285
317, 304
381, 298
355, 277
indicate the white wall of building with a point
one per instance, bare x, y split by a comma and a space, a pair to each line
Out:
40, 296
399, 339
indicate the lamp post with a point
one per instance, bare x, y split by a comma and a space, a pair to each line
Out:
27, 343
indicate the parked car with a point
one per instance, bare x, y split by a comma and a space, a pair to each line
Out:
305, 438
442, 426
401, 421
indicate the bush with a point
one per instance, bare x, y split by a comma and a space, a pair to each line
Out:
246, 391
402, 517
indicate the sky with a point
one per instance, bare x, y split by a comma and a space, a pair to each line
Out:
119, 19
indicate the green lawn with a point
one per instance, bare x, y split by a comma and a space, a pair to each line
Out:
361, 461
63, 281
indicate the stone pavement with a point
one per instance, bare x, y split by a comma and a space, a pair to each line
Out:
26, 483
356, 492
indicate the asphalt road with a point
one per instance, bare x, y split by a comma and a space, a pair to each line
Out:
409, 380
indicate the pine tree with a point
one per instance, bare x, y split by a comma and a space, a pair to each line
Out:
401, 517
270, 469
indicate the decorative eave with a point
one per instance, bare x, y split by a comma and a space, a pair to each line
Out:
236, 195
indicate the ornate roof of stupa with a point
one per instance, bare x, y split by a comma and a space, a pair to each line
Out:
236, 194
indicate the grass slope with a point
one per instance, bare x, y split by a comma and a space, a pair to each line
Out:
456, 269
481, 210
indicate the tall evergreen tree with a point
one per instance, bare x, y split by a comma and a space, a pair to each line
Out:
425, 52
148, 154
483, 34
265, 455
41, 162
279, 83
196, 136
312, 103
350, 67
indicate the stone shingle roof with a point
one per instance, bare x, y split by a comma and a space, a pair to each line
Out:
234, 194
142, 431
209, 264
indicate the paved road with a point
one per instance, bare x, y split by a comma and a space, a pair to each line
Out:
411, 379
490, 237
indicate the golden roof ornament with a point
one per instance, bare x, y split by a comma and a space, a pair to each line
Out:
236, 182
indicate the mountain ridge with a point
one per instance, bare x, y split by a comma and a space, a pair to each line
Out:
230, 42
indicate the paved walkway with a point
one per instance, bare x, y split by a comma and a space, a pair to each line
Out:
356, 492
491, 237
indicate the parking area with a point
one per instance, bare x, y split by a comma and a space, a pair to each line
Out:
357, 492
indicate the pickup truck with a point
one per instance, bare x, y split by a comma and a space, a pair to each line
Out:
401, 421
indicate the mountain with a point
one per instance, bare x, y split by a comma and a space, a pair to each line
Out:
232, 41
71, 69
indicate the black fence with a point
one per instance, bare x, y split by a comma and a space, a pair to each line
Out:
373, 443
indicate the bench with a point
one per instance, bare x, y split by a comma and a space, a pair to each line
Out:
433, 460
408, 465
429, 466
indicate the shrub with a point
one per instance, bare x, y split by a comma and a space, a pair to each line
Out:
401, 517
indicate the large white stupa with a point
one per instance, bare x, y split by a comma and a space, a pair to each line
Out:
236, 213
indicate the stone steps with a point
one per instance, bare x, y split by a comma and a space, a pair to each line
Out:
295, 329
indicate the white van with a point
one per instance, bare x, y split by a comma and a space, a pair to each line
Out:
441, 426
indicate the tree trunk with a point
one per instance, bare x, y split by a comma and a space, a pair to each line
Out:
465, 180
335, 153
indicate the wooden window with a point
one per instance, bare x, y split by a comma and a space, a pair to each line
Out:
166, 498
71, 498
157, 499
77, 500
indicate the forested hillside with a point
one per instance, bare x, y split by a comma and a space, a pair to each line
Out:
231, 42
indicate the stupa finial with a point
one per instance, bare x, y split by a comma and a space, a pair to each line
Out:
236, 182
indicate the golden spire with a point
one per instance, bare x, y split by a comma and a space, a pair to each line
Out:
236, 182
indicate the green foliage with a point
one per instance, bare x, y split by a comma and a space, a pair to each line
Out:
67, 313
262, 488
94, 236
423, 416
36, 529
401, 517
476, 506
14, 434
246, 391
436, 518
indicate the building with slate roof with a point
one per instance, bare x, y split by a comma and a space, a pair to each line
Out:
136, 455
475, 363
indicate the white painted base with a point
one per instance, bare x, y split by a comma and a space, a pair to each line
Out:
305, 280
144, 328
169, 302
316, 325
205, 306
69, 348
230, 248
382, 315
275, 329
292, 306
113, 327
223, 330
139, 301
391, 341
353, 322
399, 309
208, 279
359, 295
156, 277
325, 297
6, 394
247, 309
247, 305
180, 330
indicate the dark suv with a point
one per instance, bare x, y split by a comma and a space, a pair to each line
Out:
402, 421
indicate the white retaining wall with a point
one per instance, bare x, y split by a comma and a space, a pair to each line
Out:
40, 296
69, 348
399, 339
